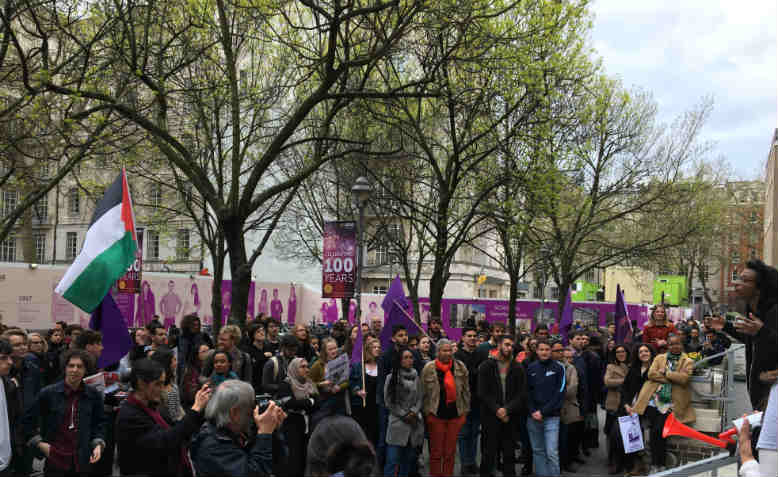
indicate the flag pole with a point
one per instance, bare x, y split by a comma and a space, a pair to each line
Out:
362, 352
411, 319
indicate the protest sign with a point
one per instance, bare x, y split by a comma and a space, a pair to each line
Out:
631, 433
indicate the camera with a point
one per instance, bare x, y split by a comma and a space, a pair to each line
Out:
264, 400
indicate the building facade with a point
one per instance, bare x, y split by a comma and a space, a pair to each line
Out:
746, 232
771, 204
56, 229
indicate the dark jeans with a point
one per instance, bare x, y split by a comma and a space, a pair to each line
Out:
468, 438
383, 420
658, 445
297, 443
500, 437
616, 455
564, 450
574, 439
611, 421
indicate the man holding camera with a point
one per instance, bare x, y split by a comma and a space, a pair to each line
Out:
224, 445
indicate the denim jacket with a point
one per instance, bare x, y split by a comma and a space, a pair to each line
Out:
49, 409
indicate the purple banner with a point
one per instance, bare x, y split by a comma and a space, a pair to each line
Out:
339, 260
456, 312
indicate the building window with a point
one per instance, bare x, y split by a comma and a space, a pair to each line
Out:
152, 249
481, 293
379, 290
8, 249
705, 272
492, 293
185, 193
41, 209
9, 202
74, 203
40, 247
182, 244
735, 275
554, 292
71, 245
735, 257
381, 255
155, 195
538, 292
754, 217
590, 276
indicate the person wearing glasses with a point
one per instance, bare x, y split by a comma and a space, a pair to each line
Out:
758, 328
615, 374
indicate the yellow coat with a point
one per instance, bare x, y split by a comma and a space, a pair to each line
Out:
681, 395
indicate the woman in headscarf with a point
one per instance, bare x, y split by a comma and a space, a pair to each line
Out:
301, 393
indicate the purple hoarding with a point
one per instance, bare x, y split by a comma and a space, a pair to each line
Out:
455, 312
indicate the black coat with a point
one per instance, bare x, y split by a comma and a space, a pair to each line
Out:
491, 395
14, 403
217, 452
147, 449
258, 360
631, 386
472, 361
761, 350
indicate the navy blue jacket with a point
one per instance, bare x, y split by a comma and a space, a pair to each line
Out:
546, 387
585, 402
217, 452
43, 420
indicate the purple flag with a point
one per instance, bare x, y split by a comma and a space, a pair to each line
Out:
394, 305
566, 320
108, 320
621, 319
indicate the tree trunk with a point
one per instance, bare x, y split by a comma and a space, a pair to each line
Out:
513, 295
239, 269
437, 284
216, 291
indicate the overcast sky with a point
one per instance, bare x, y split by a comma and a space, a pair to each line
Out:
681, 50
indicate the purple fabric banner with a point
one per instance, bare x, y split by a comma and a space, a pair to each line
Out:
621, 319
395, 308
108, 320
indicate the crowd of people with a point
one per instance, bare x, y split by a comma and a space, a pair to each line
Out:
255, 400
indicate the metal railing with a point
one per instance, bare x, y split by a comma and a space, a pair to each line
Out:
711, 464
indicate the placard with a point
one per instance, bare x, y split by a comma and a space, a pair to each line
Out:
338, 369
339, 259
631, 433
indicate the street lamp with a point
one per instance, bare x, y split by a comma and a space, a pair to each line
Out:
544, 252
360, 193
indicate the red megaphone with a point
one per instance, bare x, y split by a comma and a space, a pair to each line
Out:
673, 427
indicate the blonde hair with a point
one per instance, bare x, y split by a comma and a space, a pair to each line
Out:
233, 331
45, 343
323, 348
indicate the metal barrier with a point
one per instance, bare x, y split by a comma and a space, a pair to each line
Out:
711, 464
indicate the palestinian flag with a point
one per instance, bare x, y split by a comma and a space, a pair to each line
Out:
108, 250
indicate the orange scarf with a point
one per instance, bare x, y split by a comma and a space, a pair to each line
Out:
448, 380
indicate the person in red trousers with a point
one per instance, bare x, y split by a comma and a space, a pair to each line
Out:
446, 404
